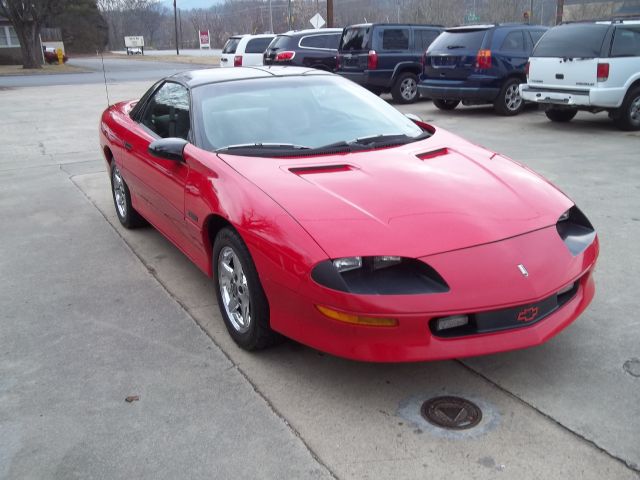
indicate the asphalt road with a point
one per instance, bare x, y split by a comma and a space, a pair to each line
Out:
93, 313
116, 70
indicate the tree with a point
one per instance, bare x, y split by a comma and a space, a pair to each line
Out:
27, 18
83, 28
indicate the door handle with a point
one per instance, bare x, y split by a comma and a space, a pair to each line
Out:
128, 147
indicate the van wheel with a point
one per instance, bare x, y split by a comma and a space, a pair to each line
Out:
627, 117
405, 90
509, 101
561, 114
445, 104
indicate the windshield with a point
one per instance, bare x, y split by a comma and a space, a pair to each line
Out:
231, 45
579, 40
294, 112
454, 41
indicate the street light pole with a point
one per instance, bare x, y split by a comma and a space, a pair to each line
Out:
270, 18
175, 21
290, 20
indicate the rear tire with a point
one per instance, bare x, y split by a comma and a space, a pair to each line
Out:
627, 117
561, 115
241, 299
509, 102
405, 89
445, 104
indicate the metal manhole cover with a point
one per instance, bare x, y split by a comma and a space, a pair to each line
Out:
453, 413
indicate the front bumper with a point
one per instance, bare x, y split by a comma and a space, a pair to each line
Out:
479, 283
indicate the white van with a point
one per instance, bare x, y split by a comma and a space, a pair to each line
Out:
244, 50
592, 66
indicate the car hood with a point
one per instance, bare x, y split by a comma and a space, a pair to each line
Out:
424, 198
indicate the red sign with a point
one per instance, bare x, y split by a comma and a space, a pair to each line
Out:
204, 37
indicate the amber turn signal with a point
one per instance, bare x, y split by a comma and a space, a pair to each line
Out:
357, 319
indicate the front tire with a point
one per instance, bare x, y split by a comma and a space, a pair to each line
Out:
509, 102
128, 216
445, 104
561, 115
241, 299
405, 89
628, 116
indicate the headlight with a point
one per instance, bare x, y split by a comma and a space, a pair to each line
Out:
576, 231
379, 275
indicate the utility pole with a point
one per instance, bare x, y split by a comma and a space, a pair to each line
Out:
559, 11
175, 22
530, 11
270, 18
398, 9
330, 13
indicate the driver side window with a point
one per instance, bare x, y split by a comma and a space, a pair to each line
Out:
167, 113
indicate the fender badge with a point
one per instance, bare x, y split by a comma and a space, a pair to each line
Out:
523, 270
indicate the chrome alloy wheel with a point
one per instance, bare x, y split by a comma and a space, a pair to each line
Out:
512, 98
234, 290
408, 88
119, 193
634, 111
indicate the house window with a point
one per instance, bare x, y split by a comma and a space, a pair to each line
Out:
8, 37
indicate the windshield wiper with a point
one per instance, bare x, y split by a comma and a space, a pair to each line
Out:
268, 146
453, 47
363, 143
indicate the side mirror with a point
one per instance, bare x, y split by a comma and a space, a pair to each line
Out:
168, 148
413, 117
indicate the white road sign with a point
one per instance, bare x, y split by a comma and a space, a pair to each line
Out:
317, 21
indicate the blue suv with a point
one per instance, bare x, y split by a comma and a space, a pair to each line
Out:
479, 64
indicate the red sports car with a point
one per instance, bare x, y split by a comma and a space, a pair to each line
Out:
325, 215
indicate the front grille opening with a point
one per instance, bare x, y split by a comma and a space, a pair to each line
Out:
507, 318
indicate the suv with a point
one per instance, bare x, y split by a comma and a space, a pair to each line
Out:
385, 57
592, 66
244, 50
305, 48
479, 64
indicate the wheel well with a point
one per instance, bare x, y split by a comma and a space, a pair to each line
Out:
633, 85
410, 69
108, 155
212, 225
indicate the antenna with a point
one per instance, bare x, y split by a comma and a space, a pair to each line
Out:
104, 75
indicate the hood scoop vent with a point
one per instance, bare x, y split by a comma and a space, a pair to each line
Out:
434, 153
312, 169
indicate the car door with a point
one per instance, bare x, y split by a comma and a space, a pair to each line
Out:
160, 182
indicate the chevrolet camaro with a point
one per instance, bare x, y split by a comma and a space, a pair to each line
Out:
325, 215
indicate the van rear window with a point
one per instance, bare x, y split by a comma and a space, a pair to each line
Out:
460, 40
577, 40
355, 38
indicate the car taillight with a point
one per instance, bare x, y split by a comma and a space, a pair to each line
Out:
237, 61
372, 60
603, 72
284, 56
526, 69
483, 60
337, 62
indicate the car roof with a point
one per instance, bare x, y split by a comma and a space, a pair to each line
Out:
196, 78
395, 25
310, 31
